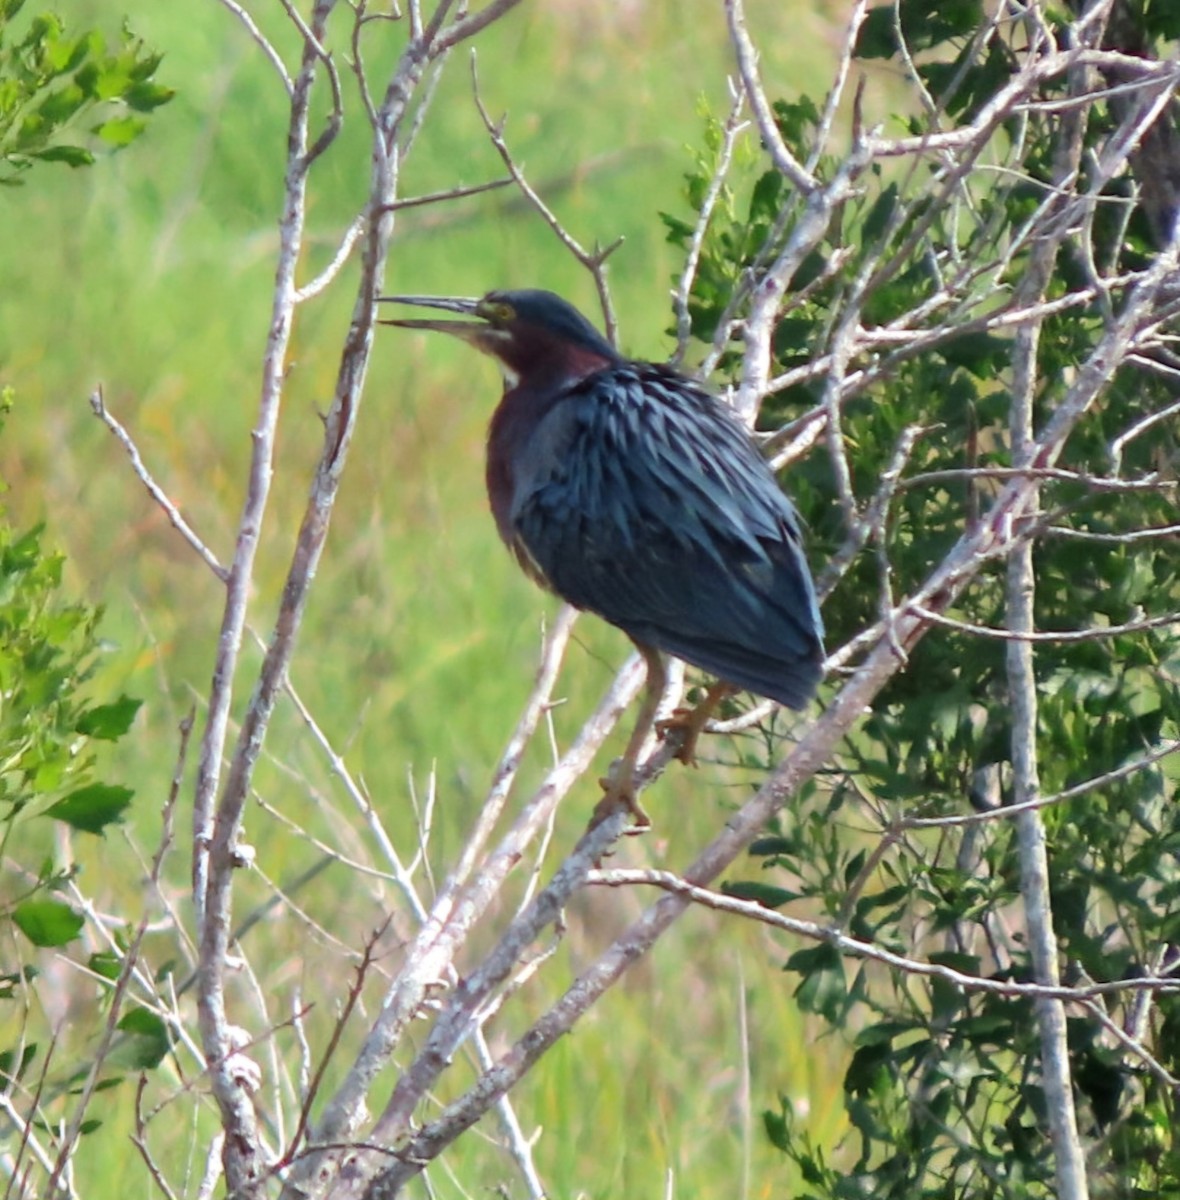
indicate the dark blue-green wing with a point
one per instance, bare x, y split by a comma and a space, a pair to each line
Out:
651, 506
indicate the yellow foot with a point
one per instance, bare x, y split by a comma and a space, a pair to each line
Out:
620, 795
687, 724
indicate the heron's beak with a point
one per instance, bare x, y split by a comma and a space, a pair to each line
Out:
469, 331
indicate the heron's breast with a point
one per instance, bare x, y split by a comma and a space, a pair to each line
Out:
528, 440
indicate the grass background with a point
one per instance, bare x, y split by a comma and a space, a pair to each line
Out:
151, 274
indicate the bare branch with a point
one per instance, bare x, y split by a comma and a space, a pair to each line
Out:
455, 193
455, 1024
731, 131
833, 935
747, 60
594, 261
1118, 539
1097, 633
1166, 750
257, 36
428, 959
1069, 1159
156, 492
519, 1146
217, 855
343, 253
465, 28
823, 132
139, 1140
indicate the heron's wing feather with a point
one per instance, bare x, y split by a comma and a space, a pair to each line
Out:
654, 509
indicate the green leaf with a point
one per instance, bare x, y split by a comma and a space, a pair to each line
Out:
59, 106
760, 893
879, 216
106, 964
883, 1033
73, 156
47, 922
869, 1067
121, 131
12, 1067
91, 808
877, 37
143, 97
149, 1041
108, 722
853, 866
1163, 19
822, 989
924, 23
773, 844
764, 200
778, 1128
679, 232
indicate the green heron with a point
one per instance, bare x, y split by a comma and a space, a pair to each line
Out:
632, 492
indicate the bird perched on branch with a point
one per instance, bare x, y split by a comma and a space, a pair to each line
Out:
632, 492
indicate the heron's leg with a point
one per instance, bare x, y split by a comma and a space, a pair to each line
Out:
687, 724
619, 787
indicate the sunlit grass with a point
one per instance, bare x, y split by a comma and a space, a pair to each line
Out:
150, 274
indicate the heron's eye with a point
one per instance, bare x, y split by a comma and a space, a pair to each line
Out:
499, 312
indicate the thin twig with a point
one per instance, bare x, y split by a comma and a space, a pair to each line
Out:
1097, 633
747, 61
733, 128
1003, 813
343, 254
156, 492
594, 261
834, 935
257, 36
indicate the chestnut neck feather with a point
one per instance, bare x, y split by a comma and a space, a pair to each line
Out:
546, 368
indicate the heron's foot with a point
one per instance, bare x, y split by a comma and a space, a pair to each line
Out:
684, 727
620, 793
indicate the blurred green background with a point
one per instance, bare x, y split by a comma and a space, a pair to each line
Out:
150, 273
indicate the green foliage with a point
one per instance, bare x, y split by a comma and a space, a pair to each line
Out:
921, 23
91, 808
63, 94
942, 1089
49, 649
47, 922
147, 1043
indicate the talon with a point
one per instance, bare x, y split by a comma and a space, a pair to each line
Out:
620, 793
690, 723
684, 725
